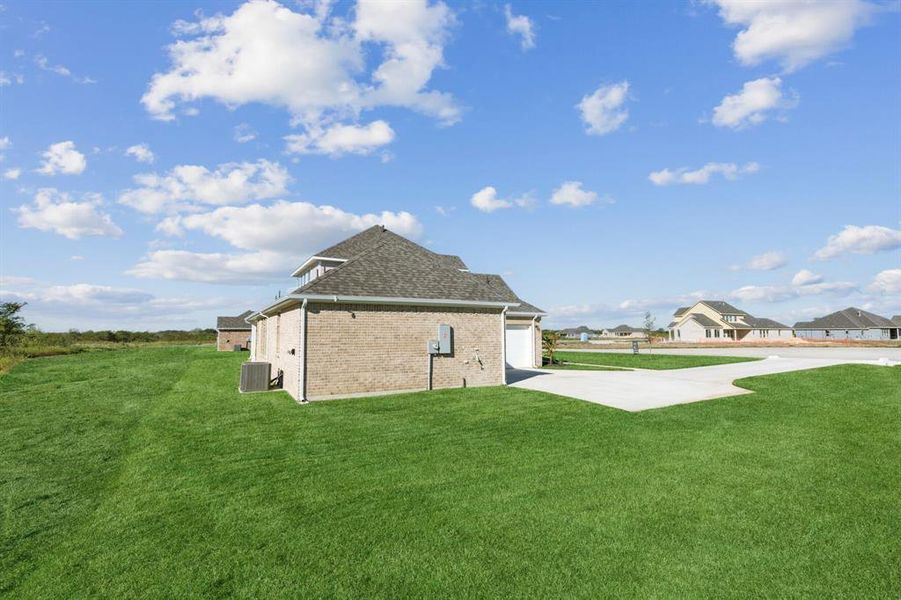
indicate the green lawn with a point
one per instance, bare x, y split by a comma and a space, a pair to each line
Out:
144, 473
645, 360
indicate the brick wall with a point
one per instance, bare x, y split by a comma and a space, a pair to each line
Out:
226, 340
374, 348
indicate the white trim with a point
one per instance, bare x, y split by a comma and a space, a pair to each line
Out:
526, 314
380, 300
302, 354
504, 346
299, 270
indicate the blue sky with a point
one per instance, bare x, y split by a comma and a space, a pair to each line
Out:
167, 162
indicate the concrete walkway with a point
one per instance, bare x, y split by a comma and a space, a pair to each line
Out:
644, 389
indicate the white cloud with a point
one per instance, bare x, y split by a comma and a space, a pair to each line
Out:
88, 305
701, 176
341, 139
486, 200
768, 261
571, 193
55, 211
186, 186
806, 277
12, 173
781, 293
274, 239
887, 282
63, 158
868, 239
753, 104
42, 63
5, 143
522, 26
244, 133
445, 211
10, 78
602, 111
141, 153
312, 64
793, 33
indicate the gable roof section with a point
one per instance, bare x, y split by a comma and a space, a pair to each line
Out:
705, 321
626, 329
896, 320
234, 323
759, 323
724, 308
681, 311
849, 318
394, 267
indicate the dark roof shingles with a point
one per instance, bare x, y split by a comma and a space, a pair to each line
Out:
234, 323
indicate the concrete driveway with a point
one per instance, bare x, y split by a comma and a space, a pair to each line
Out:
644, 389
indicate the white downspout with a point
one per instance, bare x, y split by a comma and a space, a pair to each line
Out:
534, 331
253, 342
302, 354
504, 346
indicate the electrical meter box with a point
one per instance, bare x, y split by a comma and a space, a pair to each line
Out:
445, 339
432, 346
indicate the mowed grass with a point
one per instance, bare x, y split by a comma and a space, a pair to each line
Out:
646, 360
144, 473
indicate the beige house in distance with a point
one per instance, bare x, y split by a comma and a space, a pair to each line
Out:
718, 321
368, 308
233, 331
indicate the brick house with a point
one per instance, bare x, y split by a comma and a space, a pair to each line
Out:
366, 309
233, 331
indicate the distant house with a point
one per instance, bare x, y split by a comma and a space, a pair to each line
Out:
576, 333
233, 331
717, 321
850, 324
624, 331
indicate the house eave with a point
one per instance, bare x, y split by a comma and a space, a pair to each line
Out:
300, 270
343, 299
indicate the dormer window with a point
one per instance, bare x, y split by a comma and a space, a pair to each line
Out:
314, 267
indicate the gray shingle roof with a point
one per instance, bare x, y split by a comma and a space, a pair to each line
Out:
388, 265
849, 318
760, 323
234, 323
498, 283
705, 320
626, 329
355, 244
724, 308
681, 311
897, 320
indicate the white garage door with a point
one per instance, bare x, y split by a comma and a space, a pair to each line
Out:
519, 347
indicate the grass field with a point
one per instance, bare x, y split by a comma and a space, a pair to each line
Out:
646, 360
144, 473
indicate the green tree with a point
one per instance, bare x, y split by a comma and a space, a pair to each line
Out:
12, 324
649, 325
549, 342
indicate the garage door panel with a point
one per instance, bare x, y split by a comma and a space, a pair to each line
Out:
519, 346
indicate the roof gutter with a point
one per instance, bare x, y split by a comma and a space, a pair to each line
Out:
338, 299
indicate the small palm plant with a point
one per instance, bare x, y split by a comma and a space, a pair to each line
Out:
549, 342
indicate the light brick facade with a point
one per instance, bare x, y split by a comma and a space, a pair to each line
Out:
364, 348
227, 338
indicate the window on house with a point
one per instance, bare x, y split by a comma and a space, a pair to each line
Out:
716, 333
707, 332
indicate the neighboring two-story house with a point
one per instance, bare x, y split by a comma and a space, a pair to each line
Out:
717, 321
367, 308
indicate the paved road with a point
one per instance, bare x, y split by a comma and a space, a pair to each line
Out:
645, 389
835, 352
